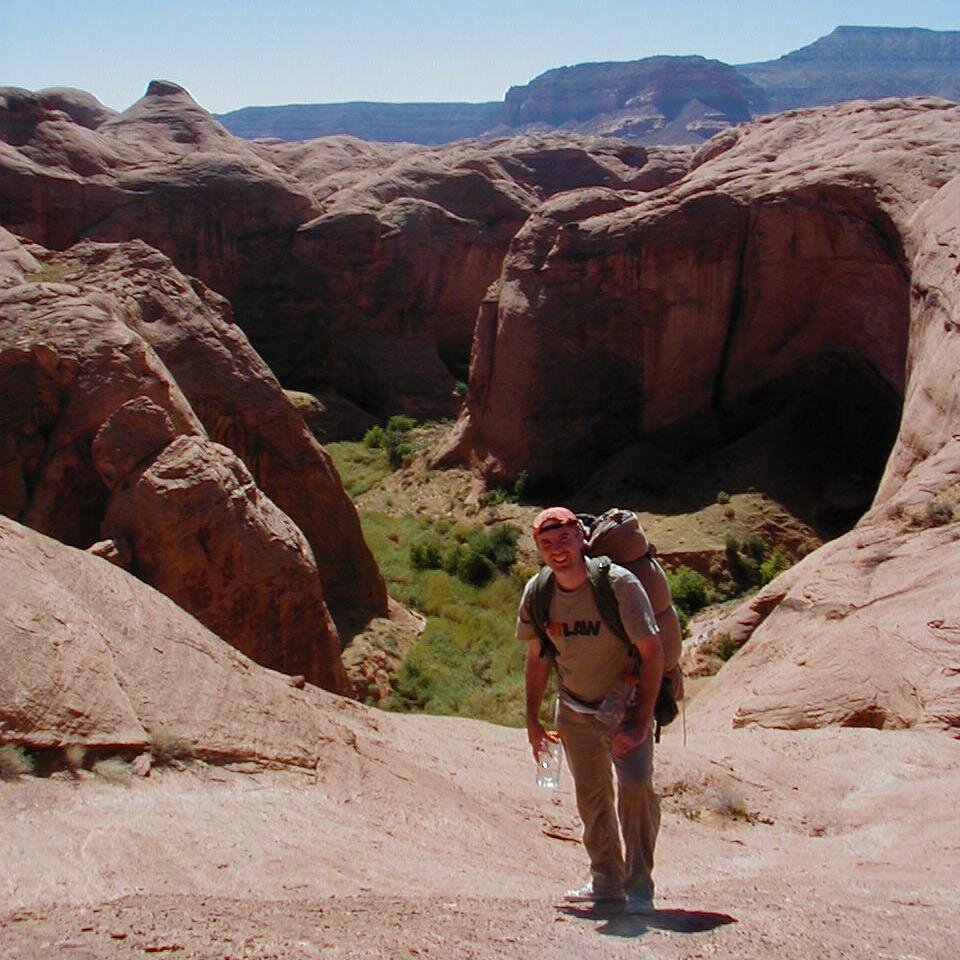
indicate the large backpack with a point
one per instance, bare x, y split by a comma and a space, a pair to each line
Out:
618, 536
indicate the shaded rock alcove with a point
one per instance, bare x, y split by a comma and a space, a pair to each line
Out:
774, 321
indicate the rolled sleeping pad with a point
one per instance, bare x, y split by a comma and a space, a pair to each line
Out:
671, 637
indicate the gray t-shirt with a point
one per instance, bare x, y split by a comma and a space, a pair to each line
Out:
591, 658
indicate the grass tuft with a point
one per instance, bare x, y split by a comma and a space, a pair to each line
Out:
165, 747
14, 762
114, 770
940, 512
74, 756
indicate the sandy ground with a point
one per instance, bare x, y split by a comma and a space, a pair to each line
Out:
834, 843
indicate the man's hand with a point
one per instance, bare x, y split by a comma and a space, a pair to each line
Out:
537, 734
627, 739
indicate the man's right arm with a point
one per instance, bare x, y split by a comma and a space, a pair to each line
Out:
537, 675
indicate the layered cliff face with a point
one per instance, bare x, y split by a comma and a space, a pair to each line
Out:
658, 100
348, 265
808, 255
385, 282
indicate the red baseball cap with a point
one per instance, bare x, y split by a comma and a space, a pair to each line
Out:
553, 517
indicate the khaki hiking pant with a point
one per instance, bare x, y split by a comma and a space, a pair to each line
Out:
635, 814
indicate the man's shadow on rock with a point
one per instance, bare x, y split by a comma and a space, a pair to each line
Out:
618, 922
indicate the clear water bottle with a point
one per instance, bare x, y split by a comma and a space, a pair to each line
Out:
613, 708
549, 761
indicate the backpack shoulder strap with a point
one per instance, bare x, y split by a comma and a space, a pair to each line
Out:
598, 573
539, 610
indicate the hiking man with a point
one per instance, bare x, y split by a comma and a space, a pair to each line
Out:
591, 660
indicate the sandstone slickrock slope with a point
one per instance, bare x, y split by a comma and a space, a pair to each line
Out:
94, 657
353, 266
100, 443
389, 835
808, 255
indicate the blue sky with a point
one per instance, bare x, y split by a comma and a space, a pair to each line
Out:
233, 53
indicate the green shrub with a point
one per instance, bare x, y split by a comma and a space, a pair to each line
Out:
774, 565
398, 423
426, 554
726, 646
474, 568
450, 562
689, 590
493, 497
14, 762
520, 486
373, 438
743, 568
498, 545
723, 497
398, 449
756, 546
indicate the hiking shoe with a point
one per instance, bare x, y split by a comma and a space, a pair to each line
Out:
587, 894
640, 903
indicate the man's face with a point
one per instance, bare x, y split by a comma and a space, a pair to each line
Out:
561, 548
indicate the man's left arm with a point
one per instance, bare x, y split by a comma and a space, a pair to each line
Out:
648, 687
640, 623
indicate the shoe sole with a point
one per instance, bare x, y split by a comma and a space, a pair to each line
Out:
601, 898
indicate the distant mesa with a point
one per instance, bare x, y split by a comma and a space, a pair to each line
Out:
425, 123
657, 100
867, 63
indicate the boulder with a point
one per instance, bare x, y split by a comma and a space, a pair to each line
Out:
88, 409
203, 533
240, 404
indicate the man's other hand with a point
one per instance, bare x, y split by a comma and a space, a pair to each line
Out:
627, 739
